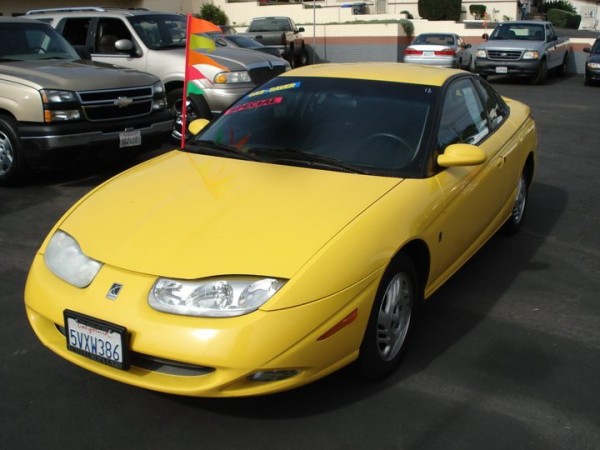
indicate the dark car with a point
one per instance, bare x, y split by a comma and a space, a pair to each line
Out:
592, 64
237, 41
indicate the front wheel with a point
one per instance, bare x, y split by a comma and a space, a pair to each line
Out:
391, 320
302, 57
515, 221
542, 73
12, 166
196, 108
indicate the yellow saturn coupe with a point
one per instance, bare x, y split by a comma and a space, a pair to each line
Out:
295, 234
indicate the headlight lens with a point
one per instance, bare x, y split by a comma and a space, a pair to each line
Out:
214, 297
69, 105
158, 88
241, 76
65, 259
481, 54
593, 65
531, 54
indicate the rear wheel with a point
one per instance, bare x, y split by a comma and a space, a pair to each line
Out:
391, 320
561, 70
302, 57
12, 166
196, 108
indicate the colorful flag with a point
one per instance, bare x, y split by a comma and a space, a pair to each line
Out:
198, 48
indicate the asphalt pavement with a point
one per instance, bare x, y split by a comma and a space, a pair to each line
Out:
506, 355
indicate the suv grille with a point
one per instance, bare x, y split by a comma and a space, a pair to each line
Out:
264, 74
116, 103
504, 55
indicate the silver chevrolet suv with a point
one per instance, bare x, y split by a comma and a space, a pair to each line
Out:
155, 42
56, 108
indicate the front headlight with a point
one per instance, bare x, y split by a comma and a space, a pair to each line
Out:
67, 101
481, 54
240, 76
531, 54
214, 297
158, 88
593, 65
65, 259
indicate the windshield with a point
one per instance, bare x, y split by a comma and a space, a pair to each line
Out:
160, 31
527, 32
326, 123
21, 41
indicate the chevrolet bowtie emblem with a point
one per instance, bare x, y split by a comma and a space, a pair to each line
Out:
122, 102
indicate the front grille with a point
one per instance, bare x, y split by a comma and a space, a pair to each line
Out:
264, 74
504, 55
114, 104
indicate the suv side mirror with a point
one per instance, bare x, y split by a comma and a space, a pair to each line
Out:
125, 46
485, 36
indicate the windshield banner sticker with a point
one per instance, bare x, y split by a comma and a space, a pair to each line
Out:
256, 104
275, 89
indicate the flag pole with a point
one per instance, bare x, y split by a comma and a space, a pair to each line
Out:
185, 81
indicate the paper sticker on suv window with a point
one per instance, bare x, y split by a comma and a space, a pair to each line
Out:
282, 87
256, 104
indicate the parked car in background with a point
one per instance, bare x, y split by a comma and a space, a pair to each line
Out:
439, 49
527, 48
592, 63
155, 42
55, 107
297, 233
238, 41
283, 33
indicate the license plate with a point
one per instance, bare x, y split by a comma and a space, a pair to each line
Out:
429, 54
130, 138
96, 339
501, 69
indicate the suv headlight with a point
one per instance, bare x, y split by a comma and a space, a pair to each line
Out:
60, 105
481, 54
213, 297
531, 54
240, 76
65, 259
159, 101
593, 65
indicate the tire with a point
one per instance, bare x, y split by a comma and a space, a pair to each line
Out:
561, 70
391, 320
196, 109
517, 215
12, 166
302, 57
291, 57
542, 74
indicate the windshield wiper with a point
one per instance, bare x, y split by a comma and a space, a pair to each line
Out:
311, 159
214, 148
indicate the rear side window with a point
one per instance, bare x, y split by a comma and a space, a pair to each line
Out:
76, 30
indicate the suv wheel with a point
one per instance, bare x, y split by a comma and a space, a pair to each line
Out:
11, 163
196, 109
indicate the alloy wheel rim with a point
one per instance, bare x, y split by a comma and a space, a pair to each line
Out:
6, 154
394, 316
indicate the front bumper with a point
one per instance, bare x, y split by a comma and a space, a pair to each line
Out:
205, 357
512, 68
43, 144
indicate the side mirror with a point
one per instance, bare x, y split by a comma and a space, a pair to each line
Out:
467, 45
196, 126
485, 36
588, 49
125, 46
300, 30
457, 155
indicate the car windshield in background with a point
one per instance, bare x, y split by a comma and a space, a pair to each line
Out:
519, 32
327, 123
160, 31
34, 41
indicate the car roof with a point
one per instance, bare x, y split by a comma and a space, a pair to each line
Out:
93, 11
376, 71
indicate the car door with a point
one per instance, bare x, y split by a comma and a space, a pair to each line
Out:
473, 195
106, 31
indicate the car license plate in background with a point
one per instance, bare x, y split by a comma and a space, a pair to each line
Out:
429, 54
130, 138
501, 69
96, 339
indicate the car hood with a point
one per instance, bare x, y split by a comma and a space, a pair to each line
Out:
511, 44
74, 75
189, 216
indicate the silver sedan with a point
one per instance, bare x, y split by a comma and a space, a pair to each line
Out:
439, 49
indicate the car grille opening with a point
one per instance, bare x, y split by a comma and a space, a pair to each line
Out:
114, 104
161, 365
263, 74
504, 55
